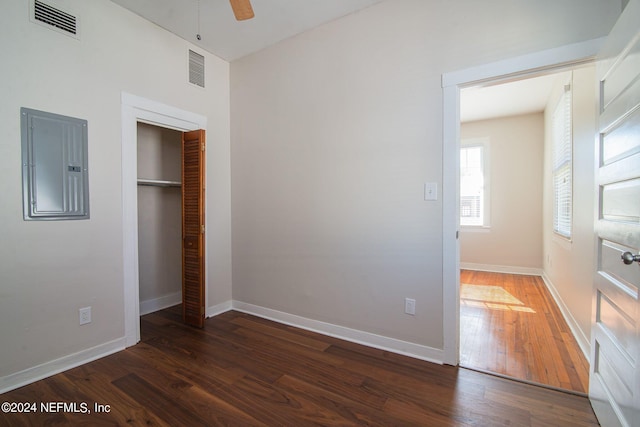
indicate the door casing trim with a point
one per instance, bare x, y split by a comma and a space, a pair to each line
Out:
530, 65
136, 109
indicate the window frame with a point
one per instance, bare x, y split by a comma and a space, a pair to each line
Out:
482, 143
562, 164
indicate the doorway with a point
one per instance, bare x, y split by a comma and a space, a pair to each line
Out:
501, 71
136, 109
506, 309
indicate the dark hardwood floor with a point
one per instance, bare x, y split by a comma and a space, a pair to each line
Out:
246, 371
510, 325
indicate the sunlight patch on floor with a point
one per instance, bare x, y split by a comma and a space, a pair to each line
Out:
491, 297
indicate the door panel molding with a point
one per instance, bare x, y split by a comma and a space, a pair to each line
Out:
614, 380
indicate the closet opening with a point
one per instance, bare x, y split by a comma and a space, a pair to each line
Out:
171, 222
159, 217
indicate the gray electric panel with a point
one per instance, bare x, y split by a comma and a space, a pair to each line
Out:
55, 173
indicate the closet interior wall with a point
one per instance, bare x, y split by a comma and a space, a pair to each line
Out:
159, 217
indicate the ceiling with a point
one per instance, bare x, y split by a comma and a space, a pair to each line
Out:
508, 99
276, 20
222, 35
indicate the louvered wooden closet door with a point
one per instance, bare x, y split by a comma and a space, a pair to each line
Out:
193, 295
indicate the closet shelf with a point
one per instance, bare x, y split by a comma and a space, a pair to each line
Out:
159, 183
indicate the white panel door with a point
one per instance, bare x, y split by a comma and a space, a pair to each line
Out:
614, 383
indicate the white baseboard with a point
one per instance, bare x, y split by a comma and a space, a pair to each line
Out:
579, 335
47, 369
529, 271
156, 304
214, 310
417, 351
393, 345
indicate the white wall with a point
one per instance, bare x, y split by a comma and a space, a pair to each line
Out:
514, 239
568, 264
334, 133
49, 269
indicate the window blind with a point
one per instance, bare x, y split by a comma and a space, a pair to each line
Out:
562, 165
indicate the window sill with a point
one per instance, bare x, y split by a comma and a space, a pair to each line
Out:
475, 228
564, 242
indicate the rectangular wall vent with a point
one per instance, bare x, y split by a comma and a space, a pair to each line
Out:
196, 68
43, 13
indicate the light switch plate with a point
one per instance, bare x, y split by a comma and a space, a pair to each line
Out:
410, 306
431, 191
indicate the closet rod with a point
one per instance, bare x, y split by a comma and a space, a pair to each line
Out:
159, 183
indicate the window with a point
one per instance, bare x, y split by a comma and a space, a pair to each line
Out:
562, 165
474, 183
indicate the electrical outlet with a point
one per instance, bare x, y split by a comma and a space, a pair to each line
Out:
410, 306
85, 315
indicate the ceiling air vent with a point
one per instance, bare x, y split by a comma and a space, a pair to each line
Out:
196, 68
54, 18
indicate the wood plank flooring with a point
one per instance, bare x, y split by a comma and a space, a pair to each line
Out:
246, 371
510, 325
